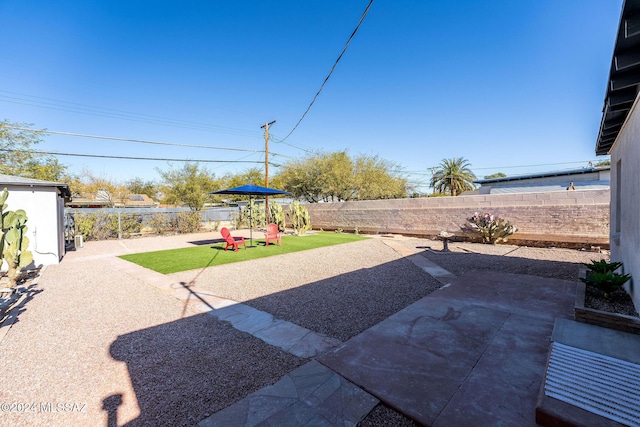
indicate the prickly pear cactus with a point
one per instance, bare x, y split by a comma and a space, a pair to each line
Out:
14, 242
300, 220
276, 213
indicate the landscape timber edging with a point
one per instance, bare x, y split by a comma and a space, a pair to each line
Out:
620, 322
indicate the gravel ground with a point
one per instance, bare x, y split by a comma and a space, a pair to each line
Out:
98, 338
545, 262
134, 355
338, 291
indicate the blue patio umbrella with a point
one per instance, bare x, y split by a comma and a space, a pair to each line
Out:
251, 190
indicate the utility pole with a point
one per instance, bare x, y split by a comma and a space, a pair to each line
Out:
266, 166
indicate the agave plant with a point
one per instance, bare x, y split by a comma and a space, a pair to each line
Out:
602, 266
607, 282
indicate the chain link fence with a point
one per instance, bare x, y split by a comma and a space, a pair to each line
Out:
118, 223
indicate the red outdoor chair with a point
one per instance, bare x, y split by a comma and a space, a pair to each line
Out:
273, 234
232, 241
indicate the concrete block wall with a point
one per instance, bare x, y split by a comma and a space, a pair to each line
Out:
563, 217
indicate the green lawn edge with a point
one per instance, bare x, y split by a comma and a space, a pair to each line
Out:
213, 254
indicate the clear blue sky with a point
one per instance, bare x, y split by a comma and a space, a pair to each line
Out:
504, 84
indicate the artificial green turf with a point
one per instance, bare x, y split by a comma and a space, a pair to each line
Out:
175, 260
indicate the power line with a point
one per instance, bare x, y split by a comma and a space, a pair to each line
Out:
99, 156
281, 141
429, 169
332, 68
142, 141
531, 166
55, 104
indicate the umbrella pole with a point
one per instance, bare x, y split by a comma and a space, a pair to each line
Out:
250, 222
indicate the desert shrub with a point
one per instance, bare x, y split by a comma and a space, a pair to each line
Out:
84, 224
129, 224
96, 226
489, 228
212, 225
103, 225
186, 222
159, 223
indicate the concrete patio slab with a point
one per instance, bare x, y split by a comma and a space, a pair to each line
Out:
309, 395
472, 353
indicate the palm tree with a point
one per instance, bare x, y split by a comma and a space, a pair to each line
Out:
453, 176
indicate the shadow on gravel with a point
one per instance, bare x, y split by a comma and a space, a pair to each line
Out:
186, 370
459, 263
13, 306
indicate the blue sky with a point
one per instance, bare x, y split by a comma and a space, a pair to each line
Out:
512, 86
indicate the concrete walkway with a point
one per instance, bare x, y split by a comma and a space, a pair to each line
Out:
310, 395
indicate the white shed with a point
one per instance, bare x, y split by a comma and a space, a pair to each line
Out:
43, 201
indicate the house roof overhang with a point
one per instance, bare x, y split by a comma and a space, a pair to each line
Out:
624, 77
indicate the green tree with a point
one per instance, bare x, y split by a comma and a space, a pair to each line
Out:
253, 176
335, 177
189, 186
302, 178
18, 156
140, 186
374, 179
453, 176
92, 186
496, 175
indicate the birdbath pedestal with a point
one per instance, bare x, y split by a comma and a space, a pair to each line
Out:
445, 237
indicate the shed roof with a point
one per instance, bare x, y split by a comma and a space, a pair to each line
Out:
624, 77
18, 180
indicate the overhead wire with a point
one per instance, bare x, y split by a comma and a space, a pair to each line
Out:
277, 140
429, 170
344, 49
142, 141
100, 156
55, 104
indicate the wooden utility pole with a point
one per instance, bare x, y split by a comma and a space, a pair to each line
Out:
266, 166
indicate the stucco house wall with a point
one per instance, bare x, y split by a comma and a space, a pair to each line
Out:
45, 219
625, 200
